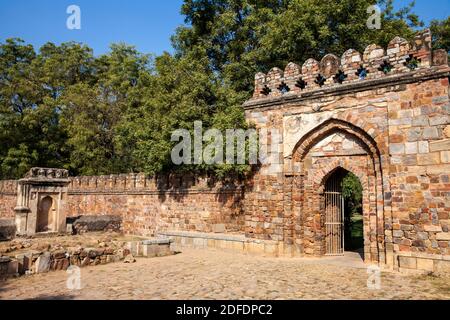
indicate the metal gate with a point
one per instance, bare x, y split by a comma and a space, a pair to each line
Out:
334, 218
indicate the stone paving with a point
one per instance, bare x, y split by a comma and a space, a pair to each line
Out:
197, 274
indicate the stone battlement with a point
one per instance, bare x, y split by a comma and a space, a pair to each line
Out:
400, 57
136, 183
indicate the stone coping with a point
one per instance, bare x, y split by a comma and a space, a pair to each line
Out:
157, 241
423, 255
204, 235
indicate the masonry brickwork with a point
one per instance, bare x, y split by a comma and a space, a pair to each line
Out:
150, 205
383, 115
8, 198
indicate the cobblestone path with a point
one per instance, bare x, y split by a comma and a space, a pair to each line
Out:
220, 275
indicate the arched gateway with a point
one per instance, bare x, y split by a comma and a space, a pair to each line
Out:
332, 145
389, 129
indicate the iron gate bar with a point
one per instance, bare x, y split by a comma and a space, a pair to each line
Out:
334, 221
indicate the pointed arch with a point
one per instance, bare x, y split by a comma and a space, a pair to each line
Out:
307, 191
334, 126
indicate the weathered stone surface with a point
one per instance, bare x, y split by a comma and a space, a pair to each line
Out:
441, 145
408, 262
444, 236
13, 268
129, 259
219, 228
97, 223
432, 228
7, 229
425, 264
60, 264
85, 262
42, 264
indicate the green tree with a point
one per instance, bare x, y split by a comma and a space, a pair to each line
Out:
242, 37
28, 117
93, 112
180, 91
440, 30
352, 192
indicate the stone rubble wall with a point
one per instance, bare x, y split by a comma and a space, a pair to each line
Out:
383, 115
58, 258
148, 205
8, 198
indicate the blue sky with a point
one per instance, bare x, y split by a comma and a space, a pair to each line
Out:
147, 24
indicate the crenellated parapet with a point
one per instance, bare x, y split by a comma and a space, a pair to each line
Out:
137, 183
400, 57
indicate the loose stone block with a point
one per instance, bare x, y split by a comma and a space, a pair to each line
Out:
13, 268
42, 264
7, 229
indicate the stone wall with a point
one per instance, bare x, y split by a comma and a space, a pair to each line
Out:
8, 198
148, 205
168, 203
383, 115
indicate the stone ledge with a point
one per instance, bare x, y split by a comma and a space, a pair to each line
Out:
424, 265
151, 248
226, 242
202, 235
423, 255
156, 241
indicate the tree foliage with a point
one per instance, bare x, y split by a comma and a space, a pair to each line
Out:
242, 37
440, 31
352, 192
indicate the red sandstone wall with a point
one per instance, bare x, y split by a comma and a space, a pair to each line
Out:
8, 200
149, 205
410, 124
419, 135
